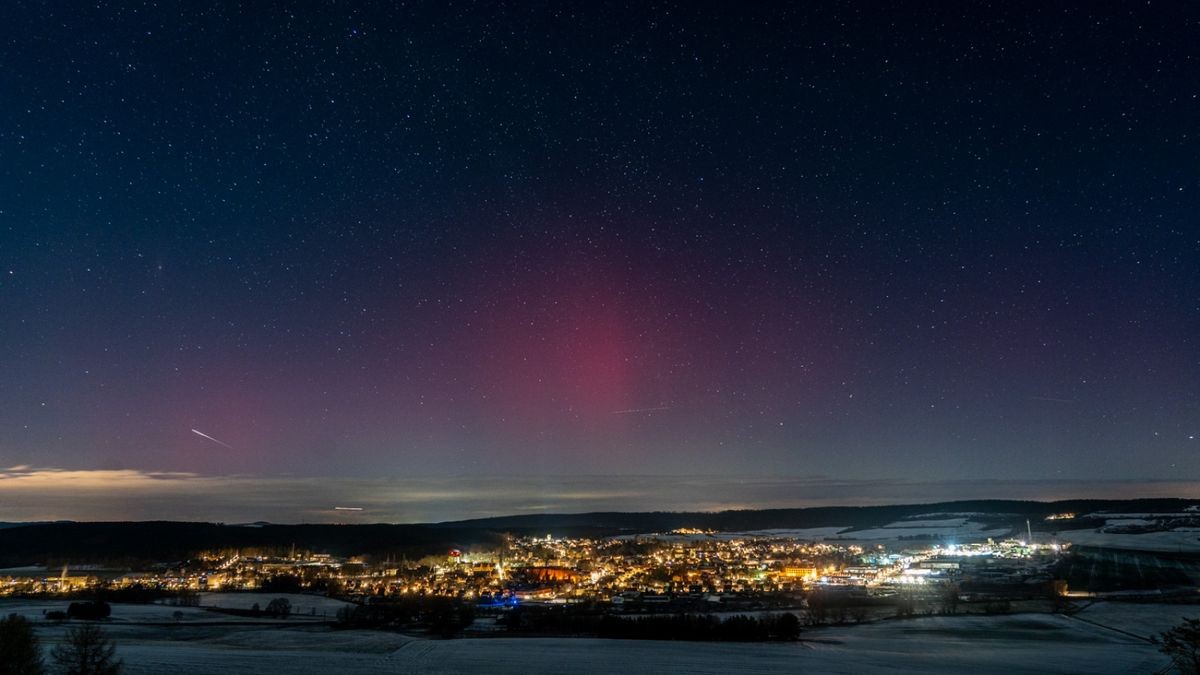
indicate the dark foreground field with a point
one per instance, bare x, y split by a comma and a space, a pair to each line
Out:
1111, 640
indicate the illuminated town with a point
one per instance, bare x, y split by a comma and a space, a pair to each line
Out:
684, 570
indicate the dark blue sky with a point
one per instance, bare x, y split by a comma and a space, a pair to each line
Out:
353, 239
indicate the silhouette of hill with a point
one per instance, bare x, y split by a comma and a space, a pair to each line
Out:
159, 541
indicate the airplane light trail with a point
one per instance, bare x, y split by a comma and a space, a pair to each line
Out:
641, 410
214, 440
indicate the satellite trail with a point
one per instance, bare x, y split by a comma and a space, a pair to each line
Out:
347, 508
642, 410
201, 433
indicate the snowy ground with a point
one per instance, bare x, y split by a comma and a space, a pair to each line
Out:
1030, 643
813, 533
959, 527
954, 528
1128, 522
302, 604
24, 571
1182, 541
1151, 516
941, 522
130, 615
1144, 619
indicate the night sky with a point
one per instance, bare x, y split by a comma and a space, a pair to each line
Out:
359, 241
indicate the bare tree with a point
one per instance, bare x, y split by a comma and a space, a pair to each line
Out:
280, 607
19, 652
858, 613
818, 608
87, 651
950, 599
906, 604
1182, 644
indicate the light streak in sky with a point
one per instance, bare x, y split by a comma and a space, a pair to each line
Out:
642, 410
214, 440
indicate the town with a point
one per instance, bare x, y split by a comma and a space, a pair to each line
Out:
684, 570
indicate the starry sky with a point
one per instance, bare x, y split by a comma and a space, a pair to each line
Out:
373, 240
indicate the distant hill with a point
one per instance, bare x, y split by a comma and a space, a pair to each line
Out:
159, 541
825, 516
135, 542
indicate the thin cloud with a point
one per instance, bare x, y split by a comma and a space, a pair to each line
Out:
29, 494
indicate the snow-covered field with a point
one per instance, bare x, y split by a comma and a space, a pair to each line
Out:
1028, 643
1185, 541
944, 528
1128, 522
302, 604
34, 610
960, 526
813, 533
1145, 619
25, 570
124, 615
942, 522
1143, 516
